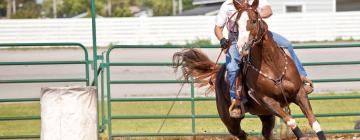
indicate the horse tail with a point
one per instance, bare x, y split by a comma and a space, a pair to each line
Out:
195, 63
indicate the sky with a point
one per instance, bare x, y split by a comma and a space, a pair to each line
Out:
39, 1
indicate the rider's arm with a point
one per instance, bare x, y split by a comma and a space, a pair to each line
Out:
220, 21
265, 11
219, 32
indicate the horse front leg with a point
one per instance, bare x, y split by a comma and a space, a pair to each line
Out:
305, 106
276, 108
234, 129
242, 135
268, 123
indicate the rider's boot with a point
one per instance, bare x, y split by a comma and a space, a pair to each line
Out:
234, 109
237, 109
308, 84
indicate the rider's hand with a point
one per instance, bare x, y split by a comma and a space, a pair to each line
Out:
224, 43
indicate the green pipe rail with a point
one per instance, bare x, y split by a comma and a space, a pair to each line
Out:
85, 62
84, 79
95, 58
192, 98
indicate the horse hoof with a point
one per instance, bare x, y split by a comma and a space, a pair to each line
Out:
242, 135
304, 138
321, 135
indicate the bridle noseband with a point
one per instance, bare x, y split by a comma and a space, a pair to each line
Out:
259, 22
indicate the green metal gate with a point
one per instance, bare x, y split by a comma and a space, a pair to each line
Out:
192, 99
108, 64
84, 79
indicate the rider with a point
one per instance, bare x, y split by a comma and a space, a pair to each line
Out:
233, 57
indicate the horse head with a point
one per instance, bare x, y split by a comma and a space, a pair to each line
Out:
250, 25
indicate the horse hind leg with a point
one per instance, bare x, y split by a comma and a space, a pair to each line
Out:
275, 107
303, 102
223, 103
268, 123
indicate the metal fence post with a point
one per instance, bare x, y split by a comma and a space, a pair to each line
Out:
95, 57
193, 115
108, 93
103, 117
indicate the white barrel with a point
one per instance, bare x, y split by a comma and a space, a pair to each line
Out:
68, 113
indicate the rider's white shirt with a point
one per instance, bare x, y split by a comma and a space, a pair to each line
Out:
227, 10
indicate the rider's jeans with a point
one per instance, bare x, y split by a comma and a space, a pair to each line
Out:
232, 60
232, 63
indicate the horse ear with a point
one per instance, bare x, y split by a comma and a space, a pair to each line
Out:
239, 4
255, 4
236, 5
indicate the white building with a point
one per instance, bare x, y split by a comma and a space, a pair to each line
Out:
210, 7
303, 6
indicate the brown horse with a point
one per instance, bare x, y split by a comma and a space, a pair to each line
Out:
272, 79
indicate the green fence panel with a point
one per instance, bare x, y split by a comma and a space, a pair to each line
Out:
193, 99
85, 79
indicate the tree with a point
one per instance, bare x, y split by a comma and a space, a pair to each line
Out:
64, 8
164, 7
160, 7
188, 4
8, 9
28, 9
71, 8
3, 6
122, 8
123, 12
47, 8
99, 6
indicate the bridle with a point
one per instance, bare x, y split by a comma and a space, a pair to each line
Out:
258, 39
259, 23
261, 32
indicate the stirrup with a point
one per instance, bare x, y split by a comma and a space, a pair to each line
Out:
236, 109
308, 85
